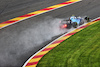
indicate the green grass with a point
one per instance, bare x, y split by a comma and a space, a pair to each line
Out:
80, 50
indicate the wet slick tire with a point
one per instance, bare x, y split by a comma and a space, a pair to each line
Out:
87, 19
68, 26
74, 24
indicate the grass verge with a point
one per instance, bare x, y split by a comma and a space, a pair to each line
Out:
80, 50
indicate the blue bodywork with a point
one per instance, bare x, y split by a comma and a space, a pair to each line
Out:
74, 19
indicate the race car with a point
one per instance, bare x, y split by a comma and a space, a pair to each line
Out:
73, 22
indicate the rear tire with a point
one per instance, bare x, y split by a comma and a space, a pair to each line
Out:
68, 25
75, 24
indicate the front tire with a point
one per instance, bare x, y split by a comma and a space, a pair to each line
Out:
87, 19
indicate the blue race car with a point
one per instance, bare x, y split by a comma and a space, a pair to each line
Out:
73, 21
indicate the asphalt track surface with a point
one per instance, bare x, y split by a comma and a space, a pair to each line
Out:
19, 41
